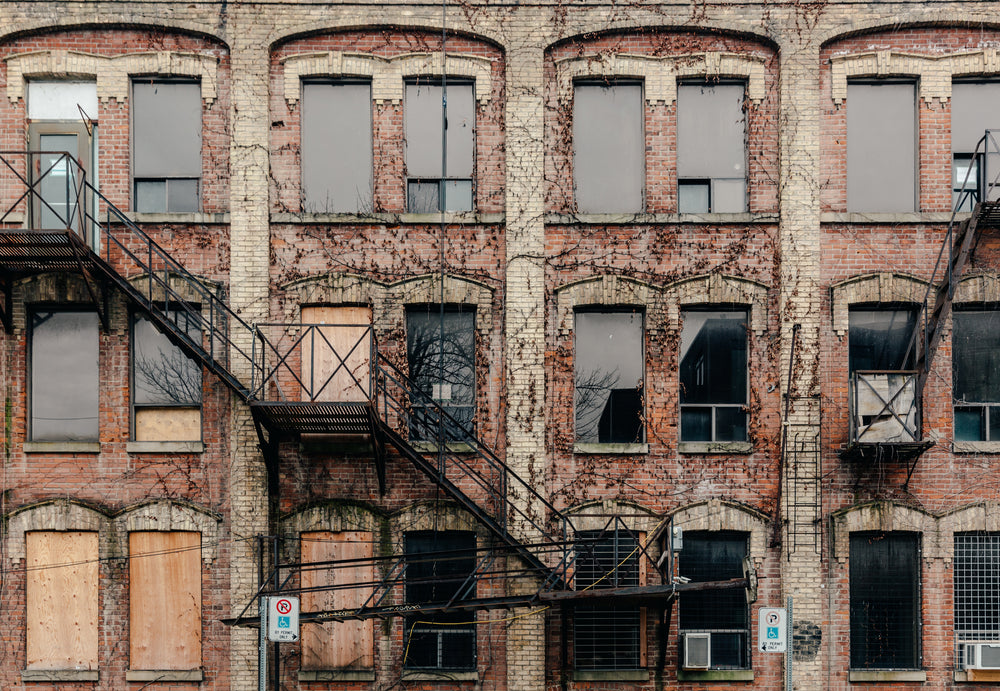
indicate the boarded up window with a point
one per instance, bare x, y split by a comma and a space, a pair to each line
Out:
337, 645
166, 146
64, 381
164, 600
609, 374
166, 383
975, 108
337, 147
427, 183
711, 148
881, 147
336, 351
608, 147
62, 600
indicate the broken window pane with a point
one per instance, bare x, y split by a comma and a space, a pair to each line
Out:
424, 125
442, 357
608, 147
880, 338
607, 636
438, 569
713, 375
711, 148
716, 556
166, 145
881, 147
609, 377
337, 147
885, 600
976, 374
64, 380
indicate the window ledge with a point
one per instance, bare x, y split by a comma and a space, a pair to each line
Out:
465, 217
199, 218
431, 675
59, 675
452, 446
976, 447
715, 675
337, 675
707, 447
977, 675
887, 675
62, 447
890, 217
611, 449
611, 675
164, 675
164, 447
644, 218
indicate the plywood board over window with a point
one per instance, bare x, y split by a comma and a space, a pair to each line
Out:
165, 600
335, 358
337, 645
61, 585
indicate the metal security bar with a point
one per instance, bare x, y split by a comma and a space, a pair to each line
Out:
977, 590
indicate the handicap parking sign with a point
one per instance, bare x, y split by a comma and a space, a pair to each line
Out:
283, 619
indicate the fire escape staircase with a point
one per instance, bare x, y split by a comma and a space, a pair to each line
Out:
897, 395
297, 379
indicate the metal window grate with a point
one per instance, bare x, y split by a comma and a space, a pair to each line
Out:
977, 590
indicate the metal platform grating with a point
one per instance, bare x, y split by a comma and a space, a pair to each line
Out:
316, 418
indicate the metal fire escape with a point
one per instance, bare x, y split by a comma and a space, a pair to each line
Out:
297, 379
885, 410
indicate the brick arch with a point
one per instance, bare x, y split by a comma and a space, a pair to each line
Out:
584, 30
717, 289
55, 288
886, 517
69, 22
333, 289
609, 290
719, 514
594, 515
907, 20
333, 516
56, 515
458, 290
984, 516
979, 287
178, 286
167, 515
283, 35
871, 289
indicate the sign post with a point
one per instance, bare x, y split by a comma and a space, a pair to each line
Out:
283, 619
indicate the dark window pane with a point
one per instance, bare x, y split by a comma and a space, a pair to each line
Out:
879, 339
693, 196
881, 147
713, 372
337, 147
443, 367
438, 564
969, 424
606, 636
162, 373
716, 556
609, 373
182, 195
151, 196
608, 148
64, 376
885, 600
977, 588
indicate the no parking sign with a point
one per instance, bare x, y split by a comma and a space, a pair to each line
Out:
283, 619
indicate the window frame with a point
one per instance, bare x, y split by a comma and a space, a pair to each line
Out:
962, 153
601, 181
33, 312
700, 178
136, 180
979, 568
443, 182
988, 410
608, 310
882, 583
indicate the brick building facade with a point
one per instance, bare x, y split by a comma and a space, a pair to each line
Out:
672, 272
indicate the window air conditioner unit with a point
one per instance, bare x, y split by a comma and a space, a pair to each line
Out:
697, 650
982, 655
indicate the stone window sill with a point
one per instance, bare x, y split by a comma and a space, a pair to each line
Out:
452, 446
150, 675
59, 675
976, 447
192, 218
62, 447
875, 217
337, 675
877, 675
610, 449
708, 447
467, 217
715, 675
165, 447
430, 675
640, 218
974, 676
612, 675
